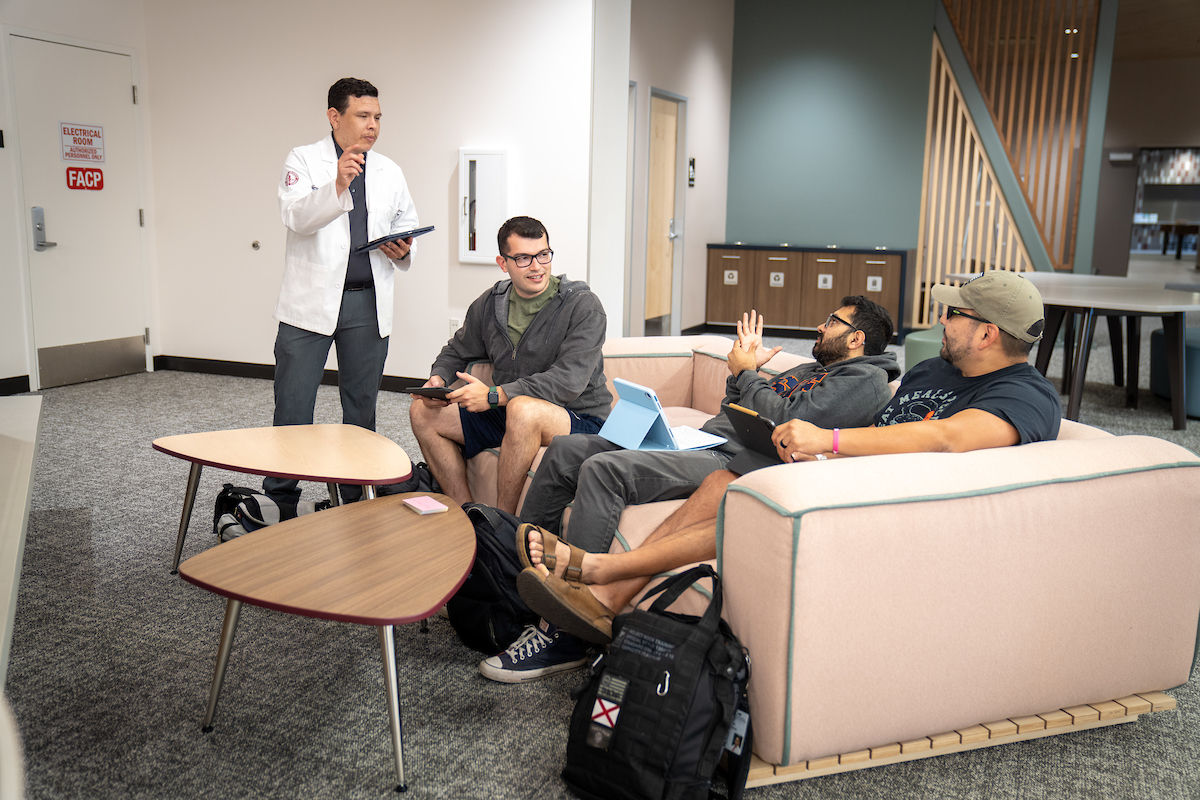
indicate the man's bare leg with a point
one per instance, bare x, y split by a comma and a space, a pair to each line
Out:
529, 425
687, 536
439, 432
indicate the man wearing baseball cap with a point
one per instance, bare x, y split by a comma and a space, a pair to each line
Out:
981, 393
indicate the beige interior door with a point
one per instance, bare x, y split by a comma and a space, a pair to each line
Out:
76, 126
661, 223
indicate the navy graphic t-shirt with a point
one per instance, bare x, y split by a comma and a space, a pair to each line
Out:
1019, 395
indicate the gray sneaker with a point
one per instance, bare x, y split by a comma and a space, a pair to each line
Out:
541, 651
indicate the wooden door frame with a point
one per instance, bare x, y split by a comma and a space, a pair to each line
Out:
13, 143
679, 211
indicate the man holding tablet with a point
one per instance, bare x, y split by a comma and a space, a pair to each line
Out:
335, 200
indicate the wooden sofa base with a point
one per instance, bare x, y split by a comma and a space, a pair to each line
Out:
988, 734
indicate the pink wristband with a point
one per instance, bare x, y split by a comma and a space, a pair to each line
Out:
835, 440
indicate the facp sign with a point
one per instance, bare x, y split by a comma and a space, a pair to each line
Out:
85, 178
82, 142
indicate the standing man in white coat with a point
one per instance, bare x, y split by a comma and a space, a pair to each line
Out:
333, 198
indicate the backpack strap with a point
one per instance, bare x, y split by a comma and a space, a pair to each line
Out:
673, 587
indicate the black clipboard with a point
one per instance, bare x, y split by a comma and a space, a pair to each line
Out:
753, 431
391, 237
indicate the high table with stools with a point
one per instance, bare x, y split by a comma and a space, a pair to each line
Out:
371, 563
1066, 294
330, 454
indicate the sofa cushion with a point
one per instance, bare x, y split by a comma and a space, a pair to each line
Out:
893, 597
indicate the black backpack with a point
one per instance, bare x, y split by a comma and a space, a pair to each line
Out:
661, 705
239, 510
487, 612
421, 480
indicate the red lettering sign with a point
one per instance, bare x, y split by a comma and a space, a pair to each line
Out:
85, 178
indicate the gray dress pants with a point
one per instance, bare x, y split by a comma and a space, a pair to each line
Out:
602, 478
300, 357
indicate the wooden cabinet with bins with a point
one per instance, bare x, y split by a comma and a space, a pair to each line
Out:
797, 287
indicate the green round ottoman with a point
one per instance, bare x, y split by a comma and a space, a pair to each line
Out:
920, 345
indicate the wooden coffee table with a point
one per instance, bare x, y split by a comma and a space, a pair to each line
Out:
331, 454
371, 563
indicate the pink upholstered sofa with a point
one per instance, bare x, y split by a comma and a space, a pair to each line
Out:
890, 598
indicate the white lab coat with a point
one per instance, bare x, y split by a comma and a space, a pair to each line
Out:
318, 235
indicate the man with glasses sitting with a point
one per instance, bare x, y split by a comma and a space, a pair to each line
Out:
543, 334
845, 386
980, 393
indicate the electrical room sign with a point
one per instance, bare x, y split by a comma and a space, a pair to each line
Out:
82, 142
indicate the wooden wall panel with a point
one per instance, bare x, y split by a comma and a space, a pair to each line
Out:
966, 225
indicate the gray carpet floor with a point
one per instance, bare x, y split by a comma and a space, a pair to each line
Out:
112, 656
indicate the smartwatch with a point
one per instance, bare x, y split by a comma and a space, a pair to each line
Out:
494, 397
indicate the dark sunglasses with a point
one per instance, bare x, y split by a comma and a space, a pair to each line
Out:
951, 311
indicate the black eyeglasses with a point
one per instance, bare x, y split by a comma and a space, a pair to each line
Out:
951, 311
835, 318
523, 260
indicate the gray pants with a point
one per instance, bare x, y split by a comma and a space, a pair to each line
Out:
602, 479
300, 357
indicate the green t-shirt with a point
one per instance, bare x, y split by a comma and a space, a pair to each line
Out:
522, 310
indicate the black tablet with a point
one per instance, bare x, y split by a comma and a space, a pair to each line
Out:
362, 248
437, 392
753, 431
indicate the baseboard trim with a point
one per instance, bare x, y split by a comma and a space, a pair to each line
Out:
18, 384
242, 369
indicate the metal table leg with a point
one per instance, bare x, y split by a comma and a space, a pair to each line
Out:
189, 500
387, 647
334, 498
233, 610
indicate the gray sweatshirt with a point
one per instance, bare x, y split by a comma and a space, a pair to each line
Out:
559, 356
847, 394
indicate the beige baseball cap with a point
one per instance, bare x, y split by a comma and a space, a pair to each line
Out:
1005, 299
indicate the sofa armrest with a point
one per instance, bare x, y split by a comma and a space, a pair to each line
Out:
893, 597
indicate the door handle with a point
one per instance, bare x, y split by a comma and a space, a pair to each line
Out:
671, 234
39, 230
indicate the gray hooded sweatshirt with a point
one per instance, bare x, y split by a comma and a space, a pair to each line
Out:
847, 394
559, 356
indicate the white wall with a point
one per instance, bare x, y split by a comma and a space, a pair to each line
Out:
118, 23
231, 100
684, 47
228, 101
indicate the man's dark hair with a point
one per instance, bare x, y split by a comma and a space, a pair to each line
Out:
341, 92
525, 227
1013, 347
873, 320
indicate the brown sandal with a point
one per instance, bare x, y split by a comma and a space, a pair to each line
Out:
549, 558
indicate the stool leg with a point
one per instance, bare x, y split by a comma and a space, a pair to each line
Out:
1069, 350
233, 610
1054, 319
1114, 337
1174, 339
185, 517
1079, 374
388, 648
1133, 355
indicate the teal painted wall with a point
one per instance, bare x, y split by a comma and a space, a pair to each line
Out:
827, 124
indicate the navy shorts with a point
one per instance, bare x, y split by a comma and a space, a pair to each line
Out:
486, 428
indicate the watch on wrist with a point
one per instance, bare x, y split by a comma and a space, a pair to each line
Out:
494, 397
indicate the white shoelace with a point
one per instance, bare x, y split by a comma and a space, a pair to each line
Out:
530, 643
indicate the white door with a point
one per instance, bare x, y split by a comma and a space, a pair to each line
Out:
76, 127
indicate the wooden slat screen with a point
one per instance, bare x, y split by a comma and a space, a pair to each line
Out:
966, 225
1032, 61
